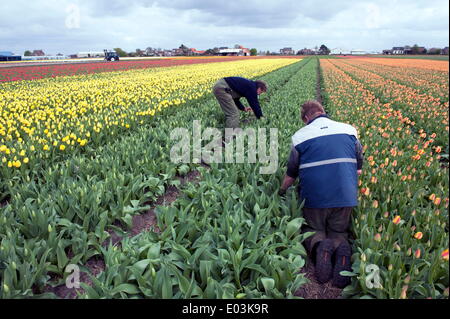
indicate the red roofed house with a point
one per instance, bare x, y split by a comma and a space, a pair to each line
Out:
38, 53
194, 51
245, 51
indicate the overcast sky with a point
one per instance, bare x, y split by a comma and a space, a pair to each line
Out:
70, 26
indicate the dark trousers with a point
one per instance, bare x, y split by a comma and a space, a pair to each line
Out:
327, 223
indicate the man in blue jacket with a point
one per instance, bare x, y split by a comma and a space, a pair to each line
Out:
228, 92
327, 157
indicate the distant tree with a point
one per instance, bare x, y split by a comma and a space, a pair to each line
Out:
210, 52
120, 52
415, 49
139, 52
28, 53
268, 53
434, 51
149, 51
253, 52
185, 49
323, 50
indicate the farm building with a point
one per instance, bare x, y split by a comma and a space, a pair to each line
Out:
306, 51
45, 57
408, 50
194, 51
340, 51
358, 52
287, 51
91, 54
420, 50
38, 53
9, 56
235, 52
398, 50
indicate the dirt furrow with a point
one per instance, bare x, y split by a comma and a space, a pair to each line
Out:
314, 289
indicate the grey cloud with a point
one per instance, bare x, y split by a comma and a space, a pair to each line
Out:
204, 24
254, 13
116, 8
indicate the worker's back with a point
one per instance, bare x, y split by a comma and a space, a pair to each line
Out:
328, 164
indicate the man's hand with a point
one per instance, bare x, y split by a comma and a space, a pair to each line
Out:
359, 172
248, 109
287, 182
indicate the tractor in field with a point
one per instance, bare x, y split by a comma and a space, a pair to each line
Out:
111, 56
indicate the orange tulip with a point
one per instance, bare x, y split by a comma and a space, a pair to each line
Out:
396, 220
417, 253
418, 235
377, 237
394, 152
444, 254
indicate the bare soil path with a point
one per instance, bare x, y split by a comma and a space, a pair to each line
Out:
313, 289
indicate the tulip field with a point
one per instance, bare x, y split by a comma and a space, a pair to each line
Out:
27, 72
85, 149
401, 224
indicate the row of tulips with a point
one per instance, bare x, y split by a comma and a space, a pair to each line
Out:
425, 81
78, 67
401, 224
62, 216
41, 121
412, 62
228, 236
423, 111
